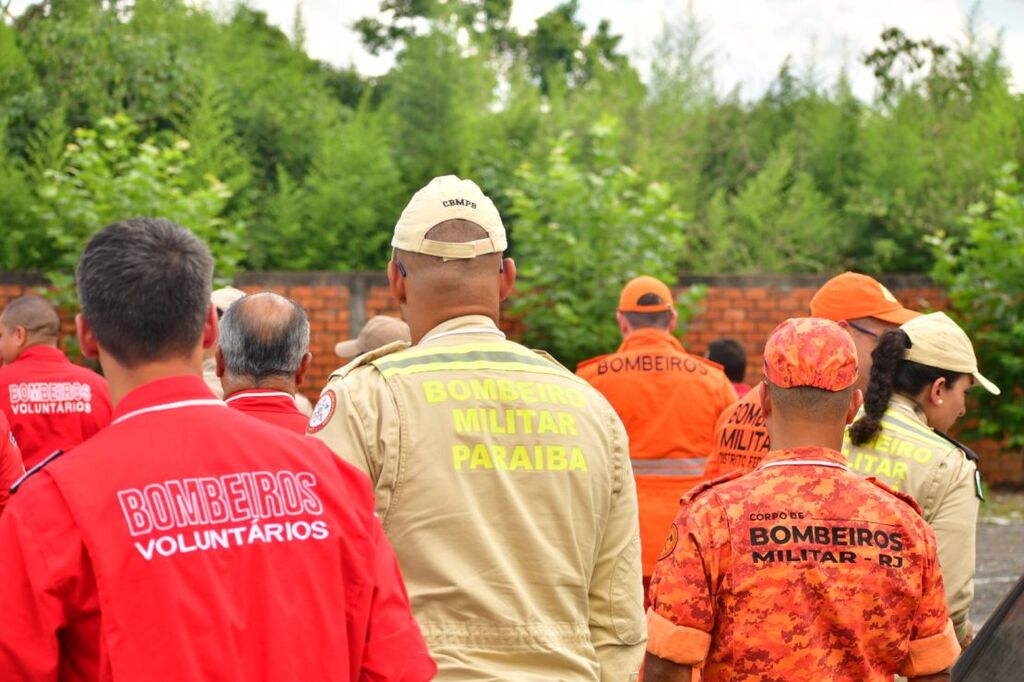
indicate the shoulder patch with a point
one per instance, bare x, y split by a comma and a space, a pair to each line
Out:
970, 454
367, 358
323, 411
549, 357
37, 468
708, 485
909, 499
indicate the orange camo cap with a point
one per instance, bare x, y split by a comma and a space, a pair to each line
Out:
810, 351
851, 296
637, 288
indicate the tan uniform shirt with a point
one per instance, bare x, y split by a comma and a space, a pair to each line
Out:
912, 458
504, 484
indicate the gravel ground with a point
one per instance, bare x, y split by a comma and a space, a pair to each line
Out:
1000, 552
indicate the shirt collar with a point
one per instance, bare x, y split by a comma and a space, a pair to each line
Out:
908, 406
176, 389
650, 338
44, 353
805, 453
263, 396
459, 326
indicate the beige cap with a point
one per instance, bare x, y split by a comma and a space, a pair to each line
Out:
378, 331
223, 298
449, 198
937, 341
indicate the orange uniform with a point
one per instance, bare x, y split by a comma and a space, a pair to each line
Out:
741, 438
668, 401
800, 570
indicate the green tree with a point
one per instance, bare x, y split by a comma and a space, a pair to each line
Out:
105, 175
983, 272
580, 233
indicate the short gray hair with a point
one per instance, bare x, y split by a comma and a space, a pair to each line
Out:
255, 344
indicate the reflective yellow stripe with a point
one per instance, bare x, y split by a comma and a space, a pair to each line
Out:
478, 356
901, 423
693, 466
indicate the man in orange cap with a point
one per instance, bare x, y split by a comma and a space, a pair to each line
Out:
800, 569
864, 308
669, 401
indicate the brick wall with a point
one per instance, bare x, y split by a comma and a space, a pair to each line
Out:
746, 308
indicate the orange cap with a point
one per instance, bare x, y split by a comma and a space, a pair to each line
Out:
851, 296
637, 288
809, 351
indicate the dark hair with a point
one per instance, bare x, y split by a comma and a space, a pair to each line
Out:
144, 287
658, 320
810, 402
729, 353
891, 373
264, 335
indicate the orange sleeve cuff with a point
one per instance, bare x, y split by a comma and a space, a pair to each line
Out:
932, 654
676, 643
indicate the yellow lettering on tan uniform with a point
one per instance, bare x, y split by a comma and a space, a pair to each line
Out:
884, 442
526, 420
526, 391
557, 394
498, 453
434, 392
546, 423
905, 449
567, 424
579, 462
520, 459
899, 471
483, 389
884, 467
460, 455
458, 390
556, 458
493, 422
922, 455
507, 390
466, 421
481, 458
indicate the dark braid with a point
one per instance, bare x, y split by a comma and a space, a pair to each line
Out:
890, 373
885, 359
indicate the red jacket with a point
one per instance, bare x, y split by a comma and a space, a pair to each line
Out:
189, 542
273, 407
51, 403
11, 467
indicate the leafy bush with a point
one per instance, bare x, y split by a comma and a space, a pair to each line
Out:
581, 232
984, 273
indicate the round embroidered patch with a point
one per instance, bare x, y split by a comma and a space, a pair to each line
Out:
323, 412
670, 542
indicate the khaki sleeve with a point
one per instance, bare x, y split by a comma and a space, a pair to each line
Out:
617, 627
955, 524
361, 426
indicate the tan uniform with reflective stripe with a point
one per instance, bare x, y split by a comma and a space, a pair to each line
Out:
504, 484
910, 457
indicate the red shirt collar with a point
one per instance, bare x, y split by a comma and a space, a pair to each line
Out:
262, 398
650, 338
186, 387
43, 354
805, 453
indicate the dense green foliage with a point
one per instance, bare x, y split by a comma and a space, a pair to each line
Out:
223, 122
983, 271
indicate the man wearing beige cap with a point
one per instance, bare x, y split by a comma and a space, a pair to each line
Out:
378, 331
921, 374
864, 308
503, 480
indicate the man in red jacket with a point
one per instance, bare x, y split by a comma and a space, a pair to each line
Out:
187, 541
50, 403
11, 467
262, 358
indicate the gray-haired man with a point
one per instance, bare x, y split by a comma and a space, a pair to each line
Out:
263, 357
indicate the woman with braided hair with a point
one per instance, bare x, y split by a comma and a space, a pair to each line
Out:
919, 379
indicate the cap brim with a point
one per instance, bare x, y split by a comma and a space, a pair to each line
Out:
347, 349
898, 316
986, 384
